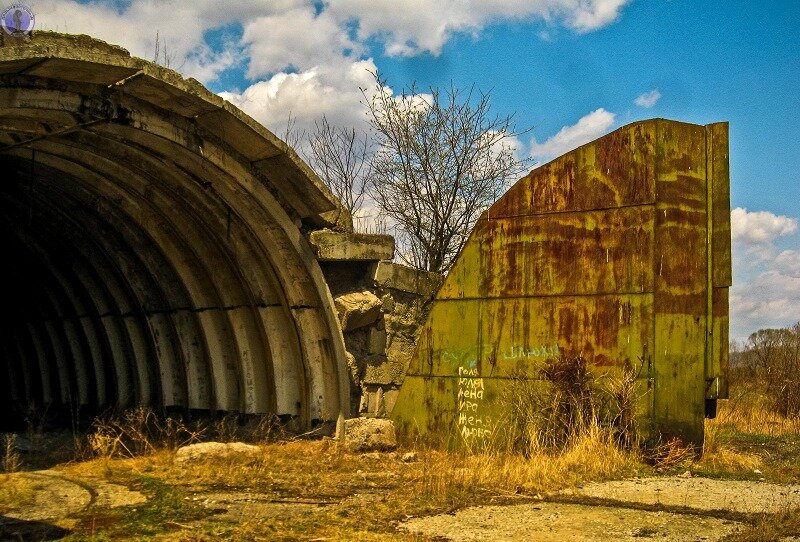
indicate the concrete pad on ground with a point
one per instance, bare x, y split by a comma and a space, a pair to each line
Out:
556, 522
703, 494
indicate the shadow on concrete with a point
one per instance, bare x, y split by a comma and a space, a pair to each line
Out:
20, 530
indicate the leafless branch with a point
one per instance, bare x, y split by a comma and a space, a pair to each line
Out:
441, 160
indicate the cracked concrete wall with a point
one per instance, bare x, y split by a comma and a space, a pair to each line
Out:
155, 247
381, 306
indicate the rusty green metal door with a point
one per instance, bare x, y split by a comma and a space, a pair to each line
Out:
618, 252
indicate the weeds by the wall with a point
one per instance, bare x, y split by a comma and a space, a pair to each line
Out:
137, 432
455, 479
141, 431
622, 394
567, 402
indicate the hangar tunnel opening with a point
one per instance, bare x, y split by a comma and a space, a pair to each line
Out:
154, 247
75, 338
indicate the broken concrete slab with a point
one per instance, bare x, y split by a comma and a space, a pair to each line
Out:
369, 435
357, 309
333, 245
406, 279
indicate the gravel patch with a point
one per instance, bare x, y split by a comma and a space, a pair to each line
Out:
557, 522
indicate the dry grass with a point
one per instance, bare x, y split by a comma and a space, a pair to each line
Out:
749, 410
15, 492
361, 497
454, 479
10, 461
365, 497
749, 439
568, 401
720, 456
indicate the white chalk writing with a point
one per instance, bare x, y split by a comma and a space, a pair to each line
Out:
472, 424
546, 351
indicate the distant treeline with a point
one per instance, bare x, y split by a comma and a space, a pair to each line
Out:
772, 358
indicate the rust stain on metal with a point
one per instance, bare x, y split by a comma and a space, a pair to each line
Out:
618, 251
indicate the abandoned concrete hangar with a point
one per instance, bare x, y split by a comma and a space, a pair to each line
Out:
164, 249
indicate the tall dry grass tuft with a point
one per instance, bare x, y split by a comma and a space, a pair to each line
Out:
138, 432
719, 456
566, 403
11, 460
454, 478
552, 436
622, 394
550, 412
141, 431
751, 410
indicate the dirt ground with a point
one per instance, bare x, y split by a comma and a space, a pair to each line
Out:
664, 508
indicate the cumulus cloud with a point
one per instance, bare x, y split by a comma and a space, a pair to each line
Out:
316, 50
136, 25
759, 227
768, 300
788, 262
648, 99
297, 38
308, 96
408, 27
588, 128
766, 279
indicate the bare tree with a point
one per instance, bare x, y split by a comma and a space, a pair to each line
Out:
161, 56
291, 135
776, 357
343, 159
441, 160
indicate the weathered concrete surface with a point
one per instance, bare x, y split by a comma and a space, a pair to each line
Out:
58, 496
154, 237
556, 522
670, 508
399, 277
617, 252
357, 309
619, 511
335, 245
379, 344
697, 493
369, 435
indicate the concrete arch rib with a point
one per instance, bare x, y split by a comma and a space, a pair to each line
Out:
184, 269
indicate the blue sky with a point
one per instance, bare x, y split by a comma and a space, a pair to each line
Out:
570, 70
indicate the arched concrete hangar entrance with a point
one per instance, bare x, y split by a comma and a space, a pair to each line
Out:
153, 246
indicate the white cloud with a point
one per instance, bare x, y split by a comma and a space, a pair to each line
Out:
770, 299
766, 280
297, 38
585, 16
308, 96
180, 27
297, 34
788, 262
408, 27
297, 46
759, 227
587, 129
648, 99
